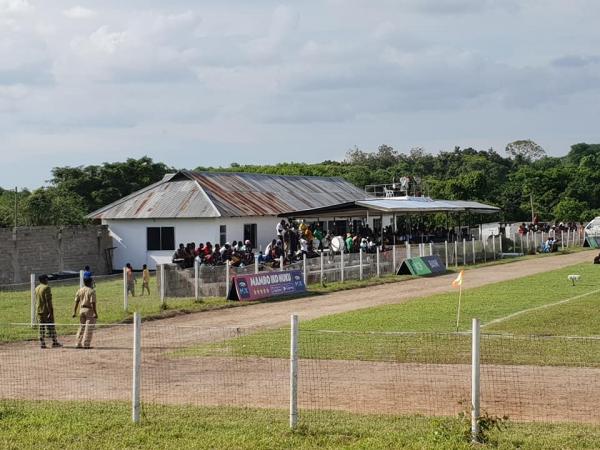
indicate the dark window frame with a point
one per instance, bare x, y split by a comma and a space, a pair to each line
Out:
160, 239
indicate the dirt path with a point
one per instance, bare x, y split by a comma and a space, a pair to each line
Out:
522, 392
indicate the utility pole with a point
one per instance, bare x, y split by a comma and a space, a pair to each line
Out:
531, 200
16, 207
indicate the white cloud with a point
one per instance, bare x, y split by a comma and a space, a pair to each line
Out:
79, 12
15, 6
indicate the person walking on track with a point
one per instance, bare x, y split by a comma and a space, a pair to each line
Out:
85, 299
45, 312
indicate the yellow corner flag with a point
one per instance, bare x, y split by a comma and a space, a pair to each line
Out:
459, 280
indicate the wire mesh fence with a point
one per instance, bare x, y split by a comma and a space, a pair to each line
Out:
527, 378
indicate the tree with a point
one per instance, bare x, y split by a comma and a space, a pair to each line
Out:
525, 149
53, 206
569, 210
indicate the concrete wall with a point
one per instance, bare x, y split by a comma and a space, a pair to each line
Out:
130, 236
26, 250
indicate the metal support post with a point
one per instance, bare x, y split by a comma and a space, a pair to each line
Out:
125, 290
294, 372
32, 291
137, 367
304, 269
360, 264
196, 280
475, 382
162, 284
446, 253
378, 264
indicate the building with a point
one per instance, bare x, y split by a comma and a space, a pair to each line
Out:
183, 207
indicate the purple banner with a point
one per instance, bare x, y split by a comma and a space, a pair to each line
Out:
266, 284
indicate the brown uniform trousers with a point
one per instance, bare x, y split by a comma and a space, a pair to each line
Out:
87, 321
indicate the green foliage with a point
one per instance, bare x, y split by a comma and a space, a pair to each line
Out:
569, 209
53, 206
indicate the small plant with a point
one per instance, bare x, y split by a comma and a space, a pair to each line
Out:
486, 422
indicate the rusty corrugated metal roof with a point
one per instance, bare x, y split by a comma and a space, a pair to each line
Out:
210, 194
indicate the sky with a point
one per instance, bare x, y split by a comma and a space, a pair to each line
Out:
198, 83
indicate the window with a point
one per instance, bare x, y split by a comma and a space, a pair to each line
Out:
160, 238
222, 234
250, 233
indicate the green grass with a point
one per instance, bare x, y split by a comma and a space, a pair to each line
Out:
15, 306
372, 334
74, 425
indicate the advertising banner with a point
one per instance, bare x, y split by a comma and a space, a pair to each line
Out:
266, 285
422, 266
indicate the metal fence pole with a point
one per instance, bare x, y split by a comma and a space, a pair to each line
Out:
446, 252
408, 254
431, 249
473, 247
162, 284
281, 262
196, 280
304, 269
80, 279
484, 246
378, 266
227, 278
464, 252
500, 243
394, 258
360, 264
125, 290
455, 253
568, 236
494, 247
562, 239
294, 372
475, 381
137, 367
256, 263
341, 266
322, 269
32, 289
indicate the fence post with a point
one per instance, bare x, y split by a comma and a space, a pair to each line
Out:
521, 240
455, 253
568, 236
475, 381
32, 289
394, 258
360, 264
137, 367
80, 279
500, 242
484, 246
227, 278
294, 372
196, 280
125, 291
431, 249
446, 253
494, 247
322, 269
408, 255
473, 247
256, 263
464, 251
341, 266
562, 239
162, 284
281, 262
304, 269
378, 266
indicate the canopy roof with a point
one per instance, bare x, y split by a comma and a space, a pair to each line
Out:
396, 205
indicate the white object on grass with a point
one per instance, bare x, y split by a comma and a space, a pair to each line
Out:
573, 278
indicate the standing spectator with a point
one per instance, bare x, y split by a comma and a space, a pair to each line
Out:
349, 242
85, 299
45, 312
280, 228
87, 273
130, 280
145, 279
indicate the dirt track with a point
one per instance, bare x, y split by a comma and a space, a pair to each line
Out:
522, 392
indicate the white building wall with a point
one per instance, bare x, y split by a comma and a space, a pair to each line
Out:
129, 236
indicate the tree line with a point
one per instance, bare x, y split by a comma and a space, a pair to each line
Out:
562, 188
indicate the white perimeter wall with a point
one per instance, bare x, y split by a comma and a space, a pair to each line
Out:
129, 236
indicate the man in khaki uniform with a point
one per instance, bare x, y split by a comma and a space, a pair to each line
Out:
85, 299
45, 312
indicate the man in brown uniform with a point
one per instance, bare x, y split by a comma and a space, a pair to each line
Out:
45, 312
85, 299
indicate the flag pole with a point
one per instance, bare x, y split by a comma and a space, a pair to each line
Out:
458, 311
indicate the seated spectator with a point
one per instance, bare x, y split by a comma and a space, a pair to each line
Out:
597, 259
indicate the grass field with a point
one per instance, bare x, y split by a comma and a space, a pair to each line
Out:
372, 334
34, 425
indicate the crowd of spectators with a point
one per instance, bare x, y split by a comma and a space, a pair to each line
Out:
237, 253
